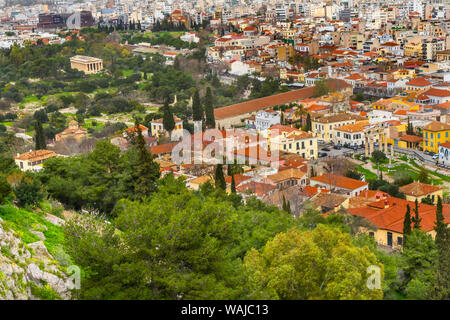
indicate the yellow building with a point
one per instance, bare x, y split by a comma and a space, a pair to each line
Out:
157, 127
297, 141
323, 127
413, 49
404, 74
434, 134
418, 191
33, 160
284, 51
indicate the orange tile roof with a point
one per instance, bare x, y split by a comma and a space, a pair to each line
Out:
437, 93
36, 155
411, 138
352, 128
419, 82
418, 189
436, 126
257, 188
340, 181
271, 101
389, 214
163, 148
238, 179
287, 174
445, 145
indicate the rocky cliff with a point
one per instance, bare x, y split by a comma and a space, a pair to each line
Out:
28, 271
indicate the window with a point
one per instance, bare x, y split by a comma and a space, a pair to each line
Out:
310, 142
303, 144
298, 145
446, 134
426, 135
439, 135
389, 239
431, 135
399, 241
371, 234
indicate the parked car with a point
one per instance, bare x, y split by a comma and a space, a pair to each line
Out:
435, 156
337, 147
325, 149
322, 154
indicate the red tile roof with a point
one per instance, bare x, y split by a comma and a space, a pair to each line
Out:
340, 181
418, 189
437, 93
389, 214
419, 82
271, 101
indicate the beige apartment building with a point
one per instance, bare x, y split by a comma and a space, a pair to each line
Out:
86, 64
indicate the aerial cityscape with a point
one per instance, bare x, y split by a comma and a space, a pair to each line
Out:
225, 150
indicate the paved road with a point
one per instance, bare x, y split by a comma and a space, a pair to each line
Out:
337, 153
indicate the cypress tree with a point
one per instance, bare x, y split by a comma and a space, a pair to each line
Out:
147, 170
416, 220
39, 137
209, 109
233, 184
168, 121
441, 287
406, 224
197, 111
308, 123
220, 178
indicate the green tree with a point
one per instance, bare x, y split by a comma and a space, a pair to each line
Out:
233, 184
147, 169
282, 269
423, 175
168, 120
419, 257
308, 123
5, 189
220, 178
406, 225
416, 219
39, 138
378, 156
29, 192
441, 283
197, 111
209, 109
321, 88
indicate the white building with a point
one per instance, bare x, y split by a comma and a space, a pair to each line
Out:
444, 153
264, 120
350, 135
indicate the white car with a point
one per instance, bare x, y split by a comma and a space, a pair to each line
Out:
435, 156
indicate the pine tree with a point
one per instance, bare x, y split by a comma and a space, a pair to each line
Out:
406, 225
416, 220
147, 170
441, 287
39, 138
233, 184
308, 123
209, 109
197, 111
168, 121
220, 178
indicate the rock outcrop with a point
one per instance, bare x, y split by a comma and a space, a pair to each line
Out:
28, 271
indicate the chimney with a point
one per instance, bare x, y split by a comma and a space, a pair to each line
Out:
386, 204
336, 208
